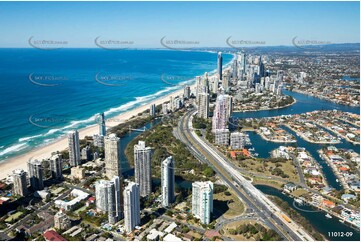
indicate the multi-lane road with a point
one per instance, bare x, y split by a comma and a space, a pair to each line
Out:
270, 214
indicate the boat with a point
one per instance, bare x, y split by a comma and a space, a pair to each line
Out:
255, 154
328, 216
251, 149
336, 180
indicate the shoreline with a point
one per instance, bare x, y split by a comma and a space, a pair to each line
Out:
307, 139
275, 140
321, 97
267, 109
44, 152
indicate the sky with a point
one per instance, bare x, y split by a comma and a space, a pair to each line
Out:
205, 24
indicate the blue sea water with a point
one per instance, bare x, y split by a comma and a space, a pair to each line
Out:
44, 94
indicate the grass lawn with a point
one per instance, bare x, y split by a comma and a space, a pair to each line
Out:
234, 225
13, 217
299, 192
256, 166
268, 182
228, 209
80, 210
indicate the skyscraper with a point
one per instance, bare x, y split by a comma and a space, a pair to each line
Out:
219, 65
187, 92
167, 181
143, 168
202, 85
74, 148
261, 67
203, 105
202, 201
225, 82
56, 166
20, 184
131, 206
36, 175
108, 198
222, 112
112, 156
86, 153
152, 110
102, 128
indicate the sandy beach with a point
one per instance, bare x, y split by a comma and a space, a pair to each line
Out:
44, 152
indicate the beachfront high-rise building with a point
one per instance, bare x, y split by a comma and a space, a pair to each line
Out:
202, 201
167, 181
102, 128
222, 112
143, 168
202, 85
20, 183
131, 206
243, 61
108, 198
203, 105
112, 156
36, 174
61, 221
74, 148
56, 166
86, 153
187, 92
98, 140
219, 65
225, 82
152, 110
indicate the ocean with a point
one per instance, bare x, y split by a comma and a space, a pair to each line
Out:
44, 94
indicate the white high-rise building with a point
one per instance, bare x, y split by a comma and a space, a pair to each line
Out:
61, 221
258, 88
225, 81
20, 183
203, 105
267, 83
222, 112
74, 148
131, 206
238, 140
202, 201
202, 85
167, 181
56, 166
36, 175
143, 168
165, 108
108, 198
102, 128
112, 156
279, 90
187, 92
152, 110
221, 137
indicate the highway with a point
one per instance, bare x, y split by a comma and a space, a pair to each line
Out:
272, 216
